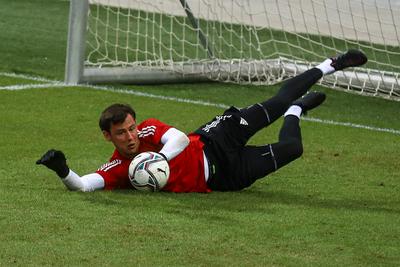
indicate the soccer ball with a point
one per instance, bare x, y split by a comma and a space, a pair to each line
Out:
148, 171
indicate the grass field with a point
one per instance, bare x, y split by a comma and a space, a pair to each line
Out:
339, 205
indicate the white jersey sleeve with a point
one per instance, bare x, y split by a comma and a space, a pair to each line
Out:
174, 142
86, 183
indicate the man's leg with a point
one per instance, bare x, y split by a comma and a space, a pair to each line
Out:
255, 162
291, 90
238, 165
290, 145
240, 125
262, 114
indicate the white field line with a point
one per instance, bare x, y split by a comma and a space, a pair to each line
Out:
353, 125
52, 83
169, 98
27, 77
31, 86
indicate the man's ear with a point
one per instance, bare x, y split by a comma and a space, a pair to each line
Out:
107, 135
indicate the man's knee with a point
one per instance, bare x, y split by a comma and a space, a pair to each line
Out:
276, 106
295, 147
288, 150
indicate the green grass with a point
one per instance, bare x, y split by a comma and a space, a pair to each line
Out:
336, 206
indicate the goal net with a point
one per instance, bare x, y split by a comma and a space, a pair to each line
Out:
242, 41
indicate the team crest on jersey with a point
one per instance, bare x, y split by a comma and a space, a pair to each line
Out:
109, 165
146, 131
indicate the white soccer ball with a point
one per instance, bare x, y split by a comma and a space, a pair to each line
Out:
148, 171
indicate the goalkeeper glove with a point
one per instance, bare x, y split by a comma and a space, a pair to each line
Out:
56, 161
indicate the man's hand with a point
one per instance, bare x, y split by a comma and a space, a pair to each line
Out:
56, 161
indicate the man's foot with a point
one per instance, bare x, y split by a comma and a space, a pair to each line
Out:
310, 101
352, 58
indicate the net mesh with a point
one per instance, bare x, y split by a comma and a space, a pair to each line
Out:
257, 41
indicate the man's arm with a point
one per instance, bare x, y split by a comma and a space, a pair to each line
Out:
56, 161
87, 183
174, 142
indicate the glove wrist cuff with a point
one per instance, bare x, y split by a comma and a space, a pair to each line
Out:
62, 173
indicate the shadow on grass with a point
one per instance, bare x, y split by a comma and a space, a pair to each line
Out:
285, 198
251, 200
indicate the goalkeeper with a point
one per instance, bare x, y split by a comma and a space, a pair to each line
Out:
215, 157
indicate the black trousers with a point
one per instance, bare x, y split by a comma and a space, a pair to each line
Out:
233, 164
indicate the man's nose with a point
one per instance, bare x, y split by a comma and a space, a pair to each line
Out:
131, 135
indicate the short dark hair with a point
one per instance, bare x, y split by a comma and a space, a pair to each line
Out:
113, 114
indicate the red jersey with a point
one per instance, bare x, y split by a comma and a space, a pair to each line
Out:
186, 169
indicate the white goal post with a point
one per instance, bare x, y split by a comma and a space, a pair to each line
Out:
242, 41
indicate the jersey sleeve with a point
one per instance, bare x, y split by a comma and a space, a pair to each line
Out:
151, 130
115, 174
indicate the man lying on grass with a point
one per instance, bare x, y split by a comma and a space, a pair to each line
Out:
215, 157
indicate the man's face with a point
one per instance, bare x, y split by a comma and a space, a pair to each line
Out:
124, 136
